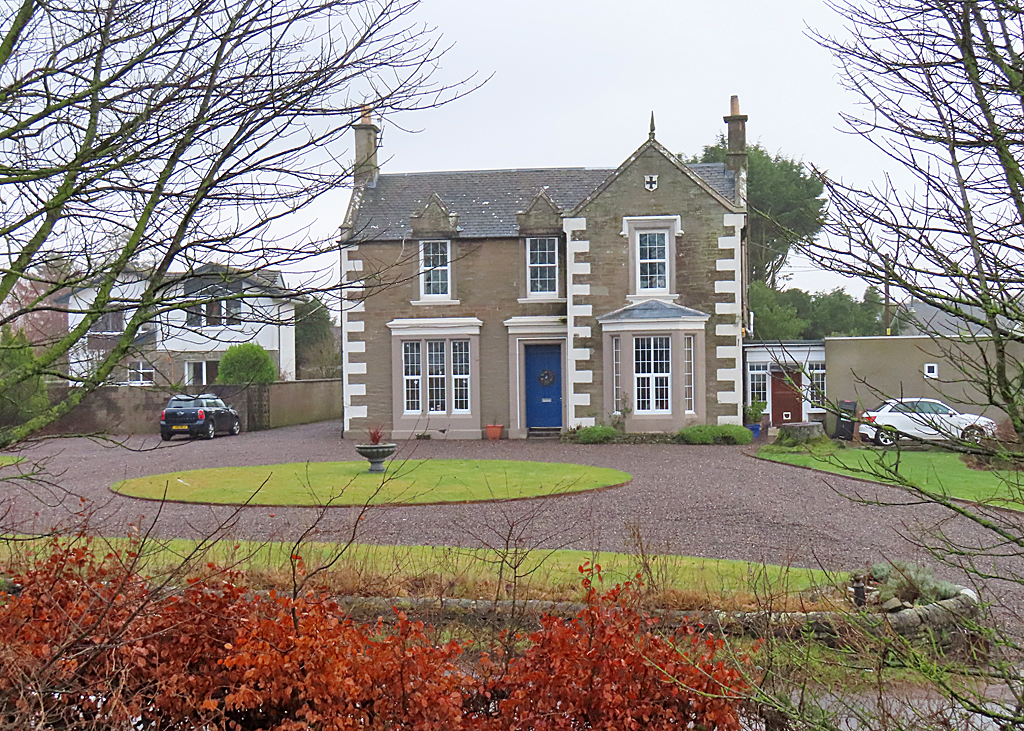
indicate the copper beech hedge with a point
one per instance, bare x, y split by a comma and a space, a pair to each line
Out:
89, 643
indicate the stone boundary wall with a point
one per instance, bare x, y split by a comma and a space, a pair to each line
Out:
129, 410
306, 401
923, 623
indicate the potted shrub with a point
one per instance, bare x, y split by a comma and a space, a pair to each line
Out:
376, 450
752, 416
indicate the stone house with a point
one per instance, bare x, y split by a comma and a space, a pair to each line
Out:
545, 299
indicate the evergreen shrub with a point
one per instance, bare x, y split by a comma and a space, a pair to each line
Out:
715, 434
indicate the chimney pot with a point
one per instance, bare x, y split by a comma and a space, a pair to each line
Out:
734, 106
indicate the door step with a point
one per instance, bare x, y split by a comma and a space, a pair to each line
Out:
551, 433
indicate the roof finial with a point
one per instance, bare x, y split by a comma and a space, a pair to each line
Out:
651, 135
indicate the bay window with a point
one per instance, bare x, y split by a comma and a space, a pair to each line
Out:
652, 369
447, 374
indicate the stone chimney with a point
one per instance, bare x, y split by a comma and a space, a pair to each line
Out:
736, 157
365, 171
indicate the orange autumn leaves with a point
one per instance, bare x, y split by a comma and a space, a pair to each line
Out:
89, 643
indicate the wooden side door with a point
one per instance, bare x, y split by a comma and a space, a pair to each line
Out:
787, 397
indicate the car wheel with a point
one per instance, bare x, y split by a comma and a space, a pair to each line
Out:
165, 437
972, 434
211, 430
236, 428
885, 437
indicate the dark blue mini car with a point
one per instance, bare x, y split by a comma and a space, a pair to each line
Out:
198, 416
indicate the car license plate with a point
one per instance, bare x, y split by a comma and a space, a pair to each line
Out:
185, 426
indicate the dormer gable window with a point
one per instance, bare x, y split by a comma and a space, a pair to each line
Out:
542, 267
435, 270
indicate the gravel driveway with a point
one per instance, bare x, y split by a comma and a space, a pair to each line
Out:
716, 502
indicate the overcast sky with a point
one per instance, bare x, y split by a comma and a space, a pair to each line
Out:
573, 83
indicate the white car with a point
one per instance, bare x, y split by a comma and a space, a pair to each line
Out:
922, 418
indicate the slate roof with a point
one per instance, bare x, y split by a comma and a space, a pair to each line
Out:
920, 318
652, 310
486, 200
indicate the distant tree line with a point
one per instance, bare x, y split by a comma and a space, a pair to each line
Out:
785, 204
794, 314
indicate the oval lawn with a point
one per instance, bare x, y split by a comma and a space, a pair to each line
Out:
408, 482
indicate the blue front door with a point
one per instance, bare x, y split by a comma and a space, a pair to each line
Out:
543, 385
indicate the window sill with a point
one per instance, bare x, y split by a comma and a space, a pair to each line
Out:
427, 303
663, 296
541, 300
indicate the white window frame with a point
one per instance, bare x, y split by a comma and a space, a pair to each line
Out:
412, 380
761, 370
652, 376
617, 374
190, 381
144, 370
815, 372
437, 382
460, 380
530, 266
689, 376
447, 269
455, 377
640, 289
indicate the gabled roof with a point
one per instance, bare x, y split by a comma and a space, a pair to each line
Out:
716, 169
268, 281
487, 201
652, 310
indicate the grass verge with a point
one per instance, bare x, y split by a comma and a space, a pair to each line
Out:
679, 582
349, 483
942, 473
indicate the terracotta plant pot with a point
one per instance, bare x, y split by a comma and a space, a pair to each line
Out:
494, 431
376, 454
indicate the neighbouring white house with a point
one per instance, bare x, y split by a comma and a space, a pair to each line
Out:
185, 343
789, 376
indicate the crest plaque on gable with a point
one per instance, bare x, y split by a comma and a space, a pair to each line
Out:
651, 182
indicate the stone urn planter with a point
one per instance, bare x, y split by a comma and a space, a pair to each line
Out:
376, 454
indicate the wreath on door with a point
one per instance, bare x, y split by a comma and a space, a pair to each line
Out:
546, 377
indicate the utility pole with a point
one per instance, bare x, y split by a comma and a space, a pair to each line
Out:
886, 320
